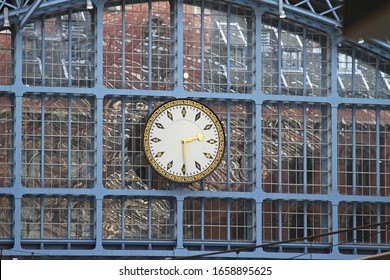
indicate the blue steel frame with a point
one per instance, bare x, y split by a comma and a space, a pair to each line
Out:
304, 16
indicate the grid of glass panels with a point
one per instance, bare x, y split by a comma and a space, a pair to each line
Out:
219, 219
289, 220
7, 121
363, 150
139, 218
58, 50
138, 46
58, 141
361, 74
357, 215
124, 166
219, 46
295, 59
296, 148
57, 217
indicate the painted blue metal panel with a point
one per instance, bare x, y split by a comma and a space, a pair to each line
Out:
179, 246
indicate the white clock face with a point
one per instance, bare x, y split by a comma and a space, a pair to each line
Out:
184, 140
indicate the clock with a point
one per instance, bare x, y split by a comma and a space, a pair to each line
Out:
183, 140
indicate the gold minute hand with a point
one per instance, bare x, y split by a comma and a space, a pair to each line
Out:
199, 137
184, 156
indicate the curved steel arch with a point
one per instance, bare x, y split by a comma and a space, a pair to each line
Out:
325, 15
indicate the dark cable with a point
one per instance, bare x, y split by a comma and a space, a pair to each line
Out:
251, 248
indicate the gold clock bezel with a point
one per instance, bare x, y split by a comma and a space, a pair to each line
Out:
183, 178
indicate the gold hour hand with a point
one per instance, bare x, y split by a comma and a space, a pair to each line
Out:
198, 137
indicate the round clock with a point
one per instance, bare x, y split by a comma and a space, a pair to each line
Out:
183, 140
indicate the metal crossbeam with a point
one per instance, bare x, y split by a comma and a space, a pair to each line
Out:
30, 12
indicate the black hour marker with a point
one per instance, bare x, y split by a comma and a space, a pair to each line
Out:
170, 164
155, 140
197, 116
159, 125
207, 127
159, 154
183, 169
184, 112
211, 141
170, 116
207, 155
197, 165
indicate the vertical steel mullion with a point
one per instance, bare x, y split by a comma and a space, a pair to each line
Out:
43, 56
123, 22
123, 139
378, 151
377, 76
202, 220
305, 158
92, 214
258, 149
228, 144
353, 71
228, 218
98, 139
173, 218
180, 221
98, 40
150, 43
378, 220
18, 190
354, 223
70, 165
250, 150
325, 141
123, 215
354, 175
280, 58
70, 48
42, 141
325, 150
150, 217
304, 60
97, 142
202, 46
150, 170
257, 223
328, 82
280, 124
42, 220
17, 133
280, 220
228, 49
248, 55
69, 221
172, 43
258, 51
305, 221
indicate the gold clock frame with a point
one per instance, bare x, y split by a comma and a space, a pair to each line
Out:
180, 178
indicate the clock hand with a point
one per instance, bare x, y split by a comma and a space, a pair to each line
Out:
199, 137
184, 155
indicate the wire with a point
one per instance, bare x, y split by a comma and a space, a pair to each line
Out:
251, 248
334, 245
